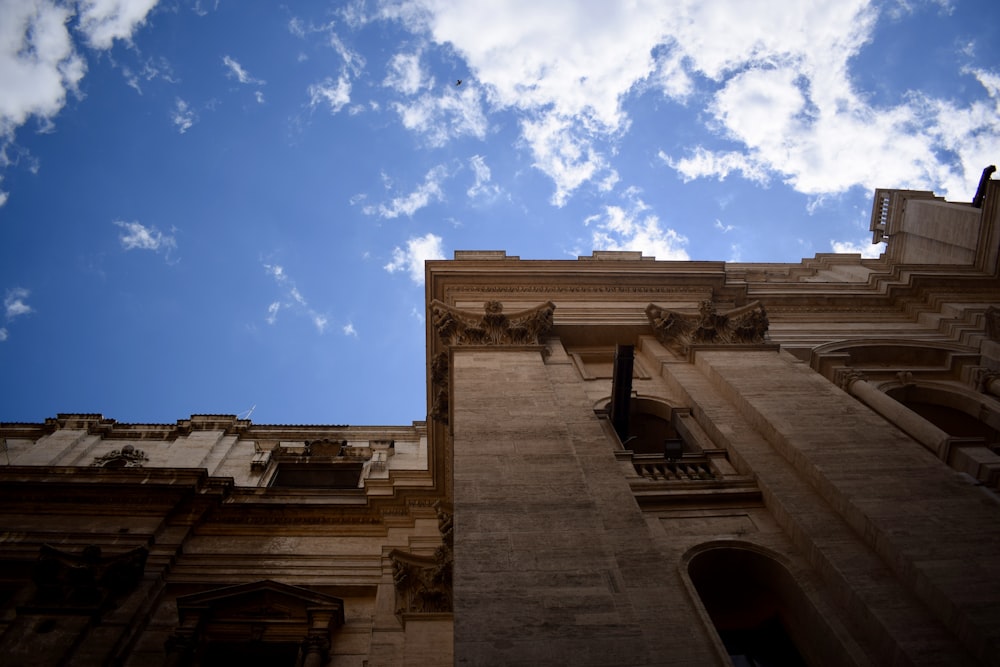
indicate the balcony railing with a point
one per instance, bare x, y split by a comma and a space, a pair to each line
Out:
684, 469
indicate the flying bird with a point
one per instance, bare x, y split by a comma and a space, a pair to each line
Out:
458, 83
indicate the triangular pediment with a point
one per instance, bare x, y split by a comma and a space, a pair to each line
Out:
264, 600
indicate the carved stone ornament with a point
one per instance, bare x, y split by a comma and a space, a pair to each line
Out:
493, 327
126, 457
86, 580
439, 384
747, 325
423, 583
845, 377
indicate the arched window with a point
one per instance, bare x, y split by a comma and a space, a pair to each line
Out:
762, 615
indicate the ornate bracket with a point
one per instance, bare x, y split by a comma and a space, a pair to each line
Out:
459, 327
423, 583
493, 327
744, 325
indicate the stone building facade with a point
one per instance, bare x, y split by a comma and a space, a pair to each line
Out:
625, 462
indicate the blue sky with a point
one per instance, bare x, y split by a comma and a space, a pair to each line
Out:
218, 206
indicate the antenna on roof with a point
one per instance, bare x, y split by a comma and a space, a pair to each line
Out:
248, 412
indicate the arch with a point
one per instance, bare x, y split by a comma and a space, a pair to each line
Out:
875, 353
651, 425
759, 611
952, 402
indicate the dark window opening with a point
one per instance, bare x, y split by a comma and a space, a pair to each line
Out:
955, 423
759, 611
317, 476
250, 654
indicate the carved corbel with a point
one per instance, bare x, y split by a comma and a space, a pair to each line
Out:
457, 327
493, 327
424, 583
744, 325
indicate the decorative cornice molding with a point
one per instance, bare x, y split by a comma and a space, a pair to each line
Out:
744, 325
493, 327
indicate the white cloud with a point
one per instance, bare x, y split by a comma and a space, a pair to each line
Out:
778, 79
455, 113
702, 163
411, 259
14, 303
272, 312
38, 62
103, 21
349, 330
182, 116
3, 196
863, 247
723, 228
636, 228
3, 334
334, 94
152, 68
430, 190
138, 236
235, 70
294, 300
405, 75
482, 188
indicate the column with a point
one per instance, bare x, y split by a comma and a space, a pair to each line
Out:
915, 426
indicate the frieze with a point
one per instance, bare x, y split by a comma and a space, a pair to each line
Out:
460, 327
743, 325
570, 289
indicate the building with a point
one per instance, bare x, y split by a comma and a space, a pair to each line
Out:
625, 462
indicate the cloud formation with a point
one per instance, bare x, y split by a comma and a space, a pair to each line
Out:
863, 247
182, 116
39, 61
235, 70
636, 228
14, 306
293, 300
428, 191
136, 236
411, 258
780, 92
14, 303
